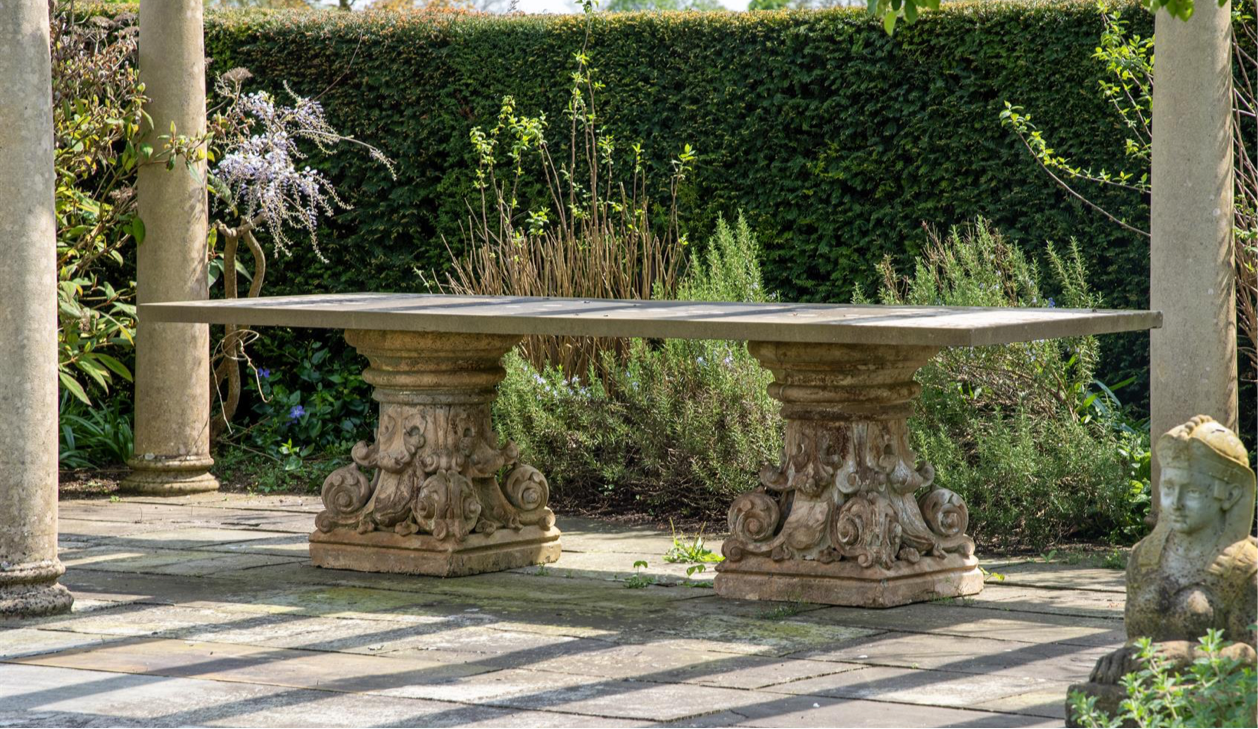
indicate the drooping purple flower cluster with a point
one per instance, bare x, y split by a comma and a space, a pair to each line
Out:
260, 176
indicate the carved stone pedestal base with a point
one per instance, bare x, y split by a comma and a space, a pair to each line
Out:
435, 505
176, 476
840, 520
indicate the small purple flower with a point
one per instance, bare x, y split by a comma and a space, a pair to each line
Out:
1052, 304
264, 373
296, 412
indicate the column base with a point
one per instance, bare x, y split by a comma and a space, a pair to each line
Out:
847, 583
169, 476
422, 554
31, 591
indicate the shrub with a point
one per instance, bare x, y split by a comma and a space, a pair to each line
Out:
586, 230
96, 116
679, 428
1038, 451
307, 401
1214, 691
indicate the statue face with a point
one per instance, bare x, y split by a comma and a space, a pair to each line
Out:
1187, 499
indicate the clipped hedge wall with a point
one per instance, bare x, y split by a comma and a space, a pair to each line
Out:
837, 141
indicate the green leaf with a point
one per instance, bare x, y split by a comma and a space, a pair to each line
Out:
119, 368
70, 384
888, 22
138, 231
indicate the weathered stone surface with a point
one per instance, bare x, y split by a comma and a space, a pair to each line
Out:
418, 554
172, 361
932, 326
63, 697
435, 505
909, 686
1198, 569
28, 319
22, 642
840, 520
1048, 661
824, 711
523, 647
982, 622
1192, 275
1043, 574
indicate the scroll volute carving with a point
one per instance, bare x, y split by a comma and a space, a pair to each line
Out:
847, 484
436, 459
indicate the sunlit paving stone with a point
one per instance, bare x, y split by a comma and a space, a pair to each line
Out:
243, 636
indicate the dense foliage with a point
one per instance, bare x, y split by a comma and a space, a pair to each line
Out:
1038, 448
667, 428
835, 139
97, 97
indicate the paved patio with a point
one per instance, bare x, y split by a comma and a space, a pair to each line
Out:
202, 611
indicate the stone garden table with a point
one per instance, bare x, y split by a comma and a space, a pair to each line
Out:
849, 516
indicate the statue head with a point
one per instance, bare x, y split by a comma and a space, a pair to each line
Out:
1207, 486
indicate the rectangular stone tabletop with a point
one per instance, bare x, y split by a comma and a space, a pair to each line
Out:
770, 322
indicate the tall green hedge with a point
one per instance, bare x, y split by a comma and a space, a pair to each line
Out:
837, 141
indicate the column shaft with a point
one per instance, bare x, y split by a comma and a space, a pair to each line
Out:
172, 439
1192, 279
28, 319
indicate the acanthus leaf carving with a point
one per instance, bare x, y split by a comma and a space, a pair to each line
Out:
847, 484
436, 472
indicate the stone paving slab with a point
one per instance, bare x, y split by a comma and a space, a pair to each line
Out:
982, 622
62, 697
204, 610
1070, 577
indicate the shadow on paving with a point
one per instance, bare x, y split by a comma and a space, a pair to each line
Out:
583, 622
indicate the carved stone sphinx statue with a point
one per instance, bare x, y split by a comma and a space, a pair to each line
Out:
1198, 569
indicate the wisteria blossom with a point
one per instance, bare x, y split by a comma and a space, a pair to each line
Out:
260, 175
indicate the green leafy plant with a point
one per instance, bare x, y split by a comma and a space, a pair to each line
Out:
1017, 430
1215, 691
638, 580
692, 551
94, 436
307, 401
97, 98
1128, 87
679, 427
589, 229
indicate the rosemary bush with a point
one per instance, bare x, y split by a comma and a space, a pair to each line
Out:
673, 428
1039, 450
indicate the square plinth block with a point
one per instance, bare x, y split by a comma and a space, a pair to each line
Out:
846, 583
422, 554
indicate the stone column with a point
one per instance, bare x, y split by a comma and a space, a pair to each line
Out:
172, 407
1192, 279
29, 567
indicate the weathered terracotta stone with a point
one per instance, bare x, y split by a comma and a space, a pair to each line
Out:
435, 505
839, 521
1198, 569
